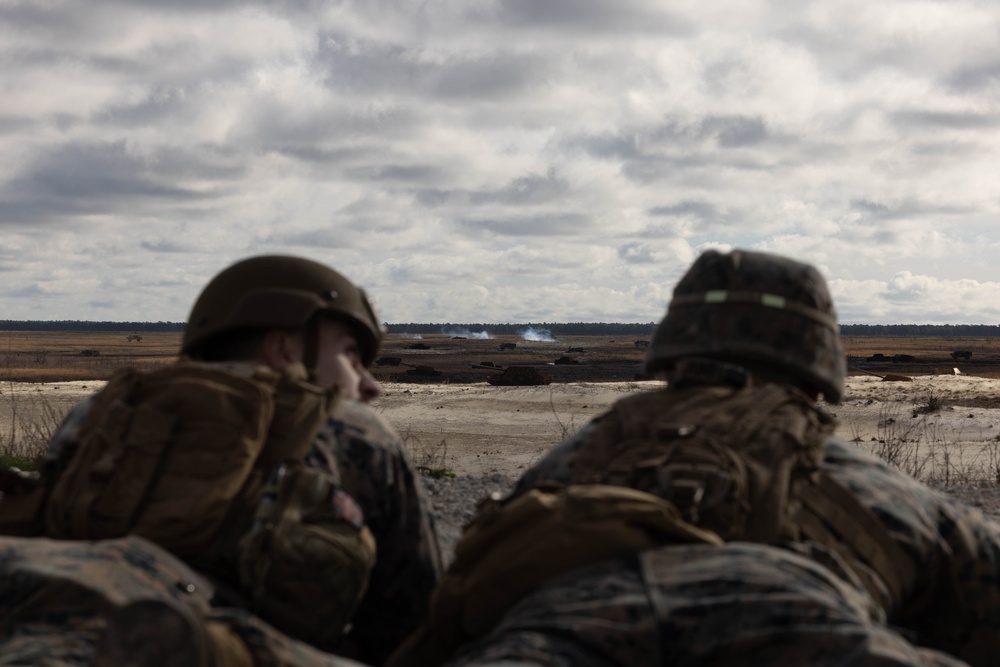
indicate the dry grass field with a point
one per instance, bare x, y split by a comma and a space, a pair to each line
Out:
942, 428
55, 356
59, 356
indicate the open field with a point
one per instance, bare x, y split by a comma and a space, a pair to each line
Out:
48, 356
57, 356
944, 428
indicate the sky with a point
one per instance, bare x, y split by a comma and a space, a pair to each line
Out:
499, 160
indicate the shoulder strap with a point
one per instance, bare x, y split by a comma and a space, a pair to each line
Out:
832, 516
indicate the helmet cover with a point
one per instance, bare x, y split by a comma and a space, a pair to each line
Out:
277, 291
754, 307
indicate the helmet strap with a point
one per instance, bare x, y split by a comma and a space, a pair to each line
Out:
702, 372
310, 353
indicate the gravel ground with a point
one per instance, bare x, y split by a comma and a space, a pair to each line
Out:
455, 501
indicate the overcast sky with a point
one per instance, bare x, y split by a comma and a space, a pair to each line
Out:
499, 160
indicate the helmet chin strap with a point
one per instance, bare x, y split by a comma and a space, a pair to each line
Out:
310, 353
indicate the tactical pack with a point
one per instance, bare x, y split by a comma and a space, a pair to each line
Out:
305, 562
513, 545
185, 456
706, 464
165, 454
730, 459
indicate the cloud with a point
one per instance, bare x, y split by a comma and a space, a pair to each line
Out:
28, 292
592, 16
932, 120
97, 179
167, 246
498, 160
554, 224
918, 299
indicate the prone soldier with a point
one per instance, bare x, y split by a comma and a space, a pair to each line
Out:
303, 330
718, 520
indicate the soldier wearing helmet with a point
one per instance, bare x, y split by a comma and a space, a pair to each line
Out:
296, 315
281, 310
866, 566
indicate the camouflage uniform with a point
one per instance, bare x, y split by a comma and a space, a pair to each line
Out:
375, 469
56, 597
752, 317
696, 604
357, 447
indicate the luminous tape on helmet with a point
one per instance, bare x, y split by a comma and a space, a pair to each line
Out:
772, 300
718, 297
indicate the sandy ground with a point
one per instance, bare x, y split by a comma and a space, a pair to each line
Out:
476, 429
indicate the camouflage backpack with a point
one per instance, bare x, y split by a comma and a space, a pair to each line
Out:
744, 463
205, 460
730, 460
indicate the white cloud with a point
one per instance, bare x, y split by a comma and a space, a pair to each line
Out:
498, 160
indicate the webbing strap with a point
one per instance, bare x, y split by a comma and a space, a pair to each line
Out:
856, 526
739, 426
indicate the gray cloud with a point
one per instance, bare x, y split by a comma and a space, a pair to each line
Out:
87, 179
594, 15
636, 253
931, 120
975, 77
698, 209
29, 292
509, 158
529, 189
397, 173
312, 238
610, 147
875, 210
164, 246
540, 225
370, 67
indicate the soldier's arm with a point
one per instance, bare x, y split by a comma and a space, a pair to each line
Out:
953, 603
557, 464
377, 472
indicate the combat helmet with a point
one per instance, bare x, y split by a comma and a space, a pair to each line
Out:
755, 308
281, 292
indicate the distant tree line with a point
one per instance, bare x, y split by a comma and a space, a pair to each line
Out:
79, 325
917, 330
619, 329
554, 328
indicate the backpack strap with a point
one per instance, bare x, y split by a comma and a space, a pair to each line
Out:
832, 516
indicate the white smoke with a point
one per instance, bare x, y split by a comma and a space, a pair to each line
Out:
465, 333
537, 335
411, 336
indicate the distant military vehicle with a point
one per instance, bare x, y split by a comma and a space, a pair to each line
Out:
519, 376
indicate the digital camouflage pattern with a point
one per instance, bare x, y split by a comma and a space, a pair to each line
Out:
368, 457
951, 604
793, 602
376, 470
737, 605
56, 597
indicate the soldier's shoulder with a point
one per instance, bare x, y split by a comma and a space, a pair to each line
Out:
69, 429
354, 419
840, 453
